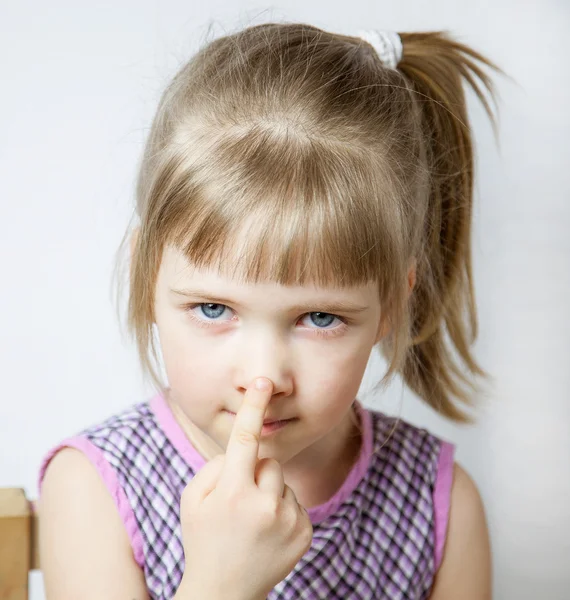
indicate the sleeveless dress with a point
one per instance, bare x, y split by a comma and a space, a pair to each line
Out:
379, 537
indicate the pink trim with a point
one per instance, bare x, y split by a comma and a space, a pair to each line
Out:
174, 433
442, 498
109, 476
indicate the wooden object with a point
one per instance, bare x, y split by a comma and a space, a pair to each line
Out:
18, 543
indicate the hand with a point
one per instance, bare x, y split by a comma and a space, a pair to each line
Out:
243, 530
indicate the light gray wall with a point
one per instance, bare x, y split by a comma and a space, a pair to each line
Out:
79, 84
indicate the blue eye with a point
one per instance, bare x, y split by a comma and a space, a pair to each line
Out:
212, 311
322, 316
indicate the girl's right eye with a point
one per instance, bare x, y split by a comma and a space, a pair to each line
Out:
208, 311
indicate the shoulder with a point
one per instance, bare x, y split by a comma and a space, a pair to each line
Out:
84, 548
99, 457
414, 452
465, 571
397, 434
126, 422
113, 441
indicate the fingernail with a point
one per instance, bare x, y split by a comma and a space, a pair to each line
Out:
261, 383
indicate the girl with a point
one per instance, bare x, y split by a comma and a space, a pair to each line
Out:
303, 197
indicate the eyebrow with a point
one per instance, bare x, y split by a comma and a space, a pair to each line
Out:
342, 306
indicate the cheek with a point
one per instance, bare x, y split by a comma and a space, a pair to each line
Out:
336, 377
189, 366
190, 373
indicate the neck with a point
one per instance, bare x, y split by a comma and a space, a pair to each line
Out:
316, 473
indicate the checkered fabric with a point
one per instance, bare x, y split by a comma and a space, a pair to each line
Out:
378, 544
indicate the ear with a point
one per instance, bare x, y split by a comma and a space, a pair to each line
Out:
134, 239
384, 327
133, 246
383, 330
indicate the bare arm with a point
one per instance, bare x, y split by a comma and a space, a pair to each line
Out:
465, 571
84, 548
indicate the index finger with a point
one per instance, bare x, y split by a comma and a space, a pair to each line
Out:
243, 445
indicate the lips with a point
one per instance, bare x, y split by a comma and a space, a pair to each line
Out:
266, 421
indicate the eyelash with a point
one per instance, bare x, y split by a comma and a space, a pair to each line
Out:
325, 333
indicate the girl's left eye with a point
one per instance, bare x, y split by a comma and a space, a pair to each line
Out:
213, 311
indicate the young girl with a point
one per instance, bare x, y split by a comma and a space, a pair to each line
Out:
303, 197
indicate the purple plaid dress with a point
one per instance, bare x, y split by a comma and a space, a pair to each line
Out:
380, 536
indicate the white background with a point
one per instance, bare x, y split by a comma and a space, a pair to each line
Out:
80, 82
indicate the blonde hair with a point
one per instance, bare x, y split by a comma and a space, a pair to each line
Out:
340, 170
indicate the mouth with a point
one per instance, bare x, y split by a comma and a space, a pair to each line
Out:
267, 421
270, 425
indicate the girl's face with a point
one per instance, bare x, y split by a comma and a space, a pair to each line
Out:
217, 336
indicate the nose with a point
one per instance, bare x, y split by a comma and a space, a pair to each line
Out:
264, 354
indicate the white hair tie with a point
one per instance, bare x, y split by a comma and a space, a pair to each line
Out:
387, 44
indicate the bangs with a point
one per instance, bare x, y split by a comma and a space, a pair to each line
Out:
286, 213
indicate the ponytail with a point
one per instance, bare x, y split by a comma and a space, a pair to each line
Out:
436, 66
